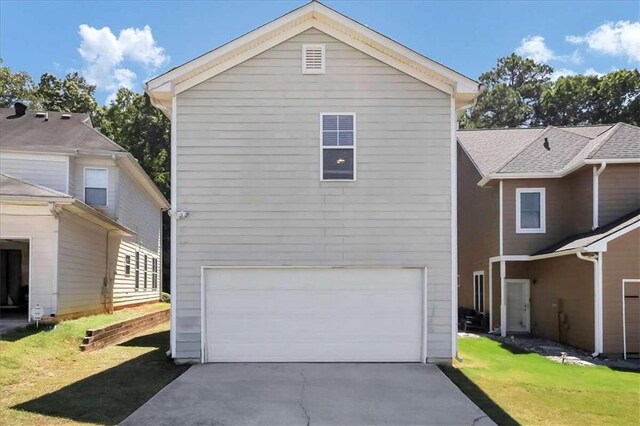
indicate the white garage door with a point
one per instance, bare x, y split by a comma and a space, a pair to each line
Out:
313, 314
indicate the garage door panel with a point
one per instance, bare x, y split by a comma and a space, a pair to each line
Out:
314, 315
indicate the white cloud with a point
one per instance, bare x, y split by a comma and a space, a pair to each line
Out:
562, 72
591, 71
615, 39
104, 53
534, 47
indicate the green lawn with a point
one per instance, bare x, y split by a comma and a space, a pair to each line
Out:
530, 389
45, 379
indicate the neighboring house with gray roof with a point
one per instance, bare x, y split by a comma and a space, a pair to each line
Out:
80, 221
549, 238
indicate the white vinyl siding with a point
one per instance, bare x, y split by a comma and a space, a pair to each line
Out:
248, 162
82, 254
36, 223
46, 170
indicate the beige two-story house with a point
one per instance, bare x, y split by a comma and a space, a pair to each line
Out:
313, 196
80, 221
548, 233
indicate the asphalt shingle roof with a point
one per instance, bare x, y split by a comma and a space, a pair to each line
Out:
54, 134
587, 238
13, 187
522, 150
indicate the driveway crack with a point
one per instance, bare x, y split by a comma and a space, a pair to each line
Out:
301, 402
477, 419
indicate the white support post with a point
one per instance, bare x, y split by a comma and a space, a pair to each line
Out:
503, 302
490, 295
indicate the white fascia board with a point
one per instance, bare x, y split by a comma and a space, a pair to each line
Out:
613, 161
601, 245
327, 20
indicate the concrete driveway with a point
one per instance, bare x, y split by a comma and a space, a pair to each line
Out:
310, 394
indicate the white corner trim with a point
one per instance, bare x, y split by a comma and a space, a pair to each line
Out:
501, 217
543, 216
454, 228
597, 171
174, 245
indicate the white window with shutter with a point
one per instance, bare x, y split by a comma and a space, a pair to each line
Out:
313, 59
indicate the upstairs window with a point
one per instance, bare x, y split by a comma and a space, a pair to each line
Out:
95, 186
313, 59
530, 211
338, 142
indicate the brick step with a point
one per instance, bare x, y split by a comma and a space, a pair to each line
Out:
98, 338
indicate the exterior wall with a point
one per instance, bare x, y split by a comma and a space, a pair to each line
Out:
248, 158
563, 285
79, 165
621, 261
46, 170
581, 205
619, 191
560, 213
478, 226
41, 227
82, 265
138, 212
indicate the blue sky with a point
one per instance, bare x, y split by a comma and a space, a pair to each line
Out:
145, 38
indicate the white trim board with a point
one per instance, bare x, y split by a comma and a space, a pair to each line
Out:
334, 24
543, 208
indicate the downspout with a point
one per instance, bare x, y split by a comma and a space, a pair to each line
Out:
597, 299
597, 171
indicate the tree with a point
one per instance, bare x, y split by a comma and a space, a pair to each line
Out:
619, 97
513, 89
15, 87
570, 101
71, 94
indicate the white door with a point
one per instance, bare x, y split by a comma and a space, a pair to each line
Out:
313, 314
518, 313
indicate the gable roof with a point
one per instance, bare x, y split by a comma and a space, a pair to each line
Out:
587, 241
312, 15
52, 133
521, 152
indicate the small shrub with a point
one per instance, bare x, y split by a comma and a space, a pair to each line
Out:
165, 297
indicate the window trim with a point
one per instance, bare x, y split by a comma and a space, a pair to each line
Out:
323, 58
543, 215
154, 272
127, 265
146, 259
478, 274
136, 284
354, 148
84, 186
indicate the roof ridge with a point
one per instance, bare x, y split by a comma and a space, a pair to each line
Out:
612, 131
35, 185
528, 144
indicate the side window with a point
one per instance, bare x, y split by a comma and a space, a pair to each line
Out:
478, 291
338, 141
127, 265
96, 186
145, 271
137, 284
154, 274
530, 211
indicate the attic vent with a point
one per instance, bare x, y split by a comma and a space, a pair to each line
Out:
41, 114
313, 59
65, 116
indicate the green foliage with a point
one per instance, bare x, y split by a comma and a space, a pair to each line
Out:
165, 297
519, 92
512, 96
71, 94
15, 87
